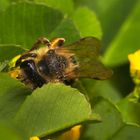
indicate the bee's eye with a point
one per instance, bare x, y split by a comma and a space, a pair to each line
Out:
30, 70
24, 56
27, 64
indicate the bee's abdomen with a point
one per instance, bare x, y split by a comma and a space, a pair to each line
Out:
53, 65
30, 71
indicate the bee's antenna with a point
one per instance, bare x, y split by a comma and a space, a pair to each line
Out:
43, 41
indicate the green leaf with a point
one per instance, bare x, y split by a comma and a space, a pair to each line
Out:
89, 28
112, 126
67, 30
130, 111
9, 51
103, 89
87, 22
3, 65
4, 4
127, 40
130, 106
29, 21
52, 108
12, 95
110, 13
7, 132
111, 121
127, 132
65, 6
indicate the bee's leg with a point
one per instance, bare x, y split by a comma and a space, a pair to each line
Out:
69, 81
40, 41
24, 56
57, 42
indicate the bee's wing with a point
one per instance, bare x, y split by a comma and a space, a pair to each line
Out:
87, 53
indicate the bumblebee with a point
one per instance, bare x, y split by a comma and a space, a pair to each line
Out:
51, 61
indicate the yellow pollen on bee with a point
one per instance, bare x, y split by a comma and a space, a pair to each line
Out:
14, 73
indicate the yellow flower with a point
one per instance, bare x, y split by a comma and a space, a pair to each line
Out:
72, 134
135, 66
34, 138
134, 61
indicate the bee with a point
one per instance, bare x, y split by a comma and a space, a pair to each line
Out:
51, 61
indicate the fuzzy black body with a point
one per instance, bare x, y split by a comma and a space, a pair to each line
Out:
51, 68
38, 67
53, 65
50, 61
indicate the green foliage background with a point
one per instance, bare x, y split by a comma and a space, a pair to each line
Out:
116, 23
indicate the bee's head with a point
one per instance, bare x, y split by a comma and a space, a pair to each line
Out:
30, 70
